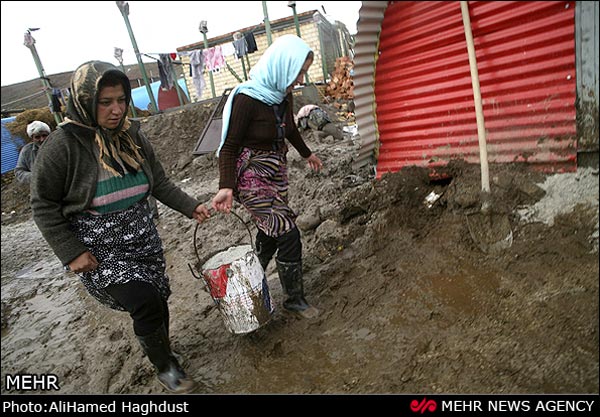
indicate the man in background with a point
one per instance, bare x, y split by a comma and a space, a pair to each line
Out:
38, 132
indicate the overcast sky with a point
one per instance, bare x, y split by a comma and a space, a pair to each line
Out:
72, 33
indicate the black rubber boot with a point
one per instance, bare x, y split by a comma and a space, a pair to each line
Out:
166, 324
170, 374
265, 249
290, 275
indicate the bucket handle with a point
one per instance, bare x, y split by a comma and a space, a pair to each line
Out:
210, 255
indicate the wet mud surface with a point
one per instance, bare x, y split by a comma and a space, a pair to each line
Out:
409, 301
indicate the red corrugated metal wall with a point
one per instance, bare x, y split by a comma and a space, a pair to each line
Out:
526, 62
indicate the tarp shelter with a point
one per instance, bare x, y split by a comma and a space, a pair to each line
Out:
10, 147
141, 100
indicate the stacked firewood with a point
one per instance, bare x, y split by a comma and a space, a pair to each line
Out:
341, 85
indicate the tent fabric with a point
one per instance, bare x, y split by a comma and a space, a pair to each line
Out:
141, 99
10, 147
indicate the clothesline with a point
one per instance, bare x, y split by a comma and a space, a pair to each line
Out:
245, 33
186, 53
147, 54
25, 98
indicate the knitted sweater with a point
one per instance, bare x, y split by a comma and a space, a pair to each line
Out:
253, 125
64, 183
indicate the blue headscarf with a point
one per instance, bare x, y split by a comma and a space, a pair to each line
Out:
274, 72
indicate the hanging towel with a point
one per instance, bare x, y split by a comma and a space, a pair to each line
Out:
197, 66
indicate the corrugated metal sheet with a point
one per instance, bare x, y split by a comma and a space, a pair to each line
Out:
10, 154
588, 67
424, 96
365, 56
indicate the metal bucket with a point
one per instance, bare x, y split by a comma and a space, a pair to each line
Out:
238, 285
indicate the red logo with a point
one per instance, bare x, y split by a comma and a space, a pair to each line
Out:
216, 279
424, 405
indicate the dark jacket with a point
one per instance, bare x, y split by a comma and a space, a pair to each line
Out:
25, 162
64, 184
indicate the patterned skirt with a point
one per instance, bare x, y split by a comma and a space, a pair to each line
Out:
128, 248
262, 188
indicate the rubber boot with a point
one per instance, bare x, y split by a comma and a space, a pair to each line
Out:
173, 351
265, 249
290, 275
170, 374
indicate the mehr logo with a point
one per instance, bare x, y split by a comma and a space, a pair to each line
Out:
423, 405
31, 382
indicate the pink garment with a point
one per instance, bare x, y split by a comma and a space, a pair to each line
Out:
304, 112
213, 58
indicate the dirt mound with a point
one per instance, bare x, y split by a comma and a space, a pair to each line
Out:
409, 302
18, 127
15, 200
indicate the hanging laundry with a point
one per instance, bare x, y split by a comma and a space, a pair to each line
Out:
165, 71
213, 58
250, 42
240, 45
241, 48
196, 69
56, 101
228, 49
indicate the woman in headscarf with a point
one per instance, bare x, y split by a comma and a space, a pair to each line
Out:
89, 197
257, 118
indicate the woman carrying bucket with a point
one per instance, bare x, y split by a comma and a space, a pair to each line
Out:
89, 197
257, 119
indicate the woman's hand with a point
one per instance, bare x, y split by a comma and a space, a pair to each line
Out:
314, 162
223, 200
201, 213
85, 262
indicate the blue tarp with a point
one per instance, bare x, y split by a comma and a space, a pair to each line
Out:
140, 95
10, 154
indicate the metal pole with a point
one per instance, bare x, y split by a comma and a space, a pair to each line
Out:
204, 29
210, 74
237, 36
124, 8
244, 69
119, 57
292, 4
176, 83
30, 43
267, 23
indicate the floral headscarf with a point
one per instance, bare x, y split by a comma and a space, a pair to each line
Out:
115, 143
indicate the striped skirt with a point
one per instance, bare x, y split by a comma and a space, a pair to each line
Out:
262, 188
128, 248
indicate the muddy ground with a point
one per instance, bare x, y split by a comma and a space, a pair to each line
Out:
410, 303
